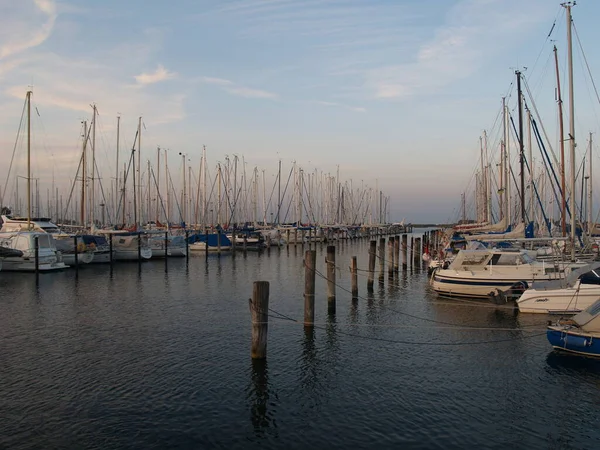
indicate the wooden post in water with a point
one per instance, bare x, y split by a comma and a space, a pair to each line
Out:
218, 241
354, 273
330, 260
245, 242
110, 247
372, 256
36, 244
287, 237
391, 255
139, 243
381, 258
396, 253
76, 253
166, 244
187, 245
259, 312
295, 236
404, 252
412, 251
417, 254
310, 262
206, 239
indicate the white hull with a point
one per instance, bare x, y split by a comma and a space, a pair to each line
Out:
82, 258
198, 247
101, 257
131, 254
570, 300
24, 265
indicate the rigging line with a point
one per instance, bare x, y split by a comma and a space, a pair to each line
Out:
441, 344
391, 309
586, 62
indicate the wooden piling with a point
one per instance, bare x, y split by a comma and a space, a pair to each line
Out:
310, 262
187, 245
287, 237
295, 236
381, 258
354, 273
330, 260
259, 312
110, 248
245, 242
396, 253
417, 254
391, 255
372, 256
139, 247
76, 253
404, 252
218, 241
412, 251
36, 244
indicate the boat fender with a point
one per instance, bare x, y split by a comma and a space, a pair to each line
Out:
81, 247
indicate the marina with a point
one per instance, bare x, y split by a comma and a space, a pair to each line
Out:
237, 225
157, 355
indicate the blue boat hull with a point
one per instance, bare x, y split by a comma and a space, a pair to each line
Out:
573, 341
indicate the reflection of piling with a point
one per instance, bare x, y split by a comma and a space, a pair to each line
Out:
372, 256
330, 259
404, 252
310, 262
354, 273
259, 311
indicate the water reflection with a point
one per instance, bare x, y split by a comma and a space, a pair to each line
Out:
261, 400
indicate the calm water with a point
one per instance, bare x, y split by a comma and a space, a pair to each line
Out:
153, 358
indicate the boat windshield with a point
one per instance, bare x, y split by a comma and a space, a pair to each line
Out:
44, 241
510, 259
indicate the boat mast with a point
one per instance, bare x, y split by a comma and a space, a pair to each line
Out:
28, 160
83, 173
117, 166
521, 145
568, 5
157, 182
92, 196
561, 134
589, 208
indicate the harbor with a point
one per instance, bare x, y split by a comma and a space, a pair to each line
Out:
157, 355
258, 224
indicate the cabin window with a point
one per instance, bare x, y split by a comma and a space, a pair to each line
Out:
44, 241
594, 309
591, 277
502, 259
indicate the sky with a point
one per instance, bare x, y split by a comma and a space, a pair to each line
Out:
394, 93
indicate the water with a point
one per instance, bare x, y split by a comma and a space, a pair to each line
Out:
153, 358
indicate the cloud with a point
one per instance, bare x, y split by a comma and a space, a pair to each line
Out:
341, 105
236, 89
19, 34
458, 49
161, 74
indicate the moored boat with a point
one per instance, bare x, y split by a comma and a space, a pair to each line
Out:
48, 258
580, 334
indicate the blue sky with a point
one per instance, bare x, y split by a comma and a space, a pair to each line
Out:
394, 91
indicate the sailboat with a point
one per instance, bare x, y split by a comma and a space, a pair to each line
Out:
31, 244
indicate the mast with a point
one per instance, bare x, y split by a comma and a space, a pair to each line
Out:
157, 182
521, 145
138, 201
168, 190
507, 166
589, 208
83, 173
530, 159
28, 160
567, 5
563, 220
93, 197
117, 166
279, 192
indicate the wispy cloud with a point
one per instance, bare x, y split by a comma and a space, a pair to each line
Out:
239, 90
17, 37
457, 50
160, 74
359, 109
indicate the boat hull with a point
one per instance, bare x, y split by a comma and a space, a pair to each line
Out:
572, 341
557, 301
132, 254
477, 288
82, 258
